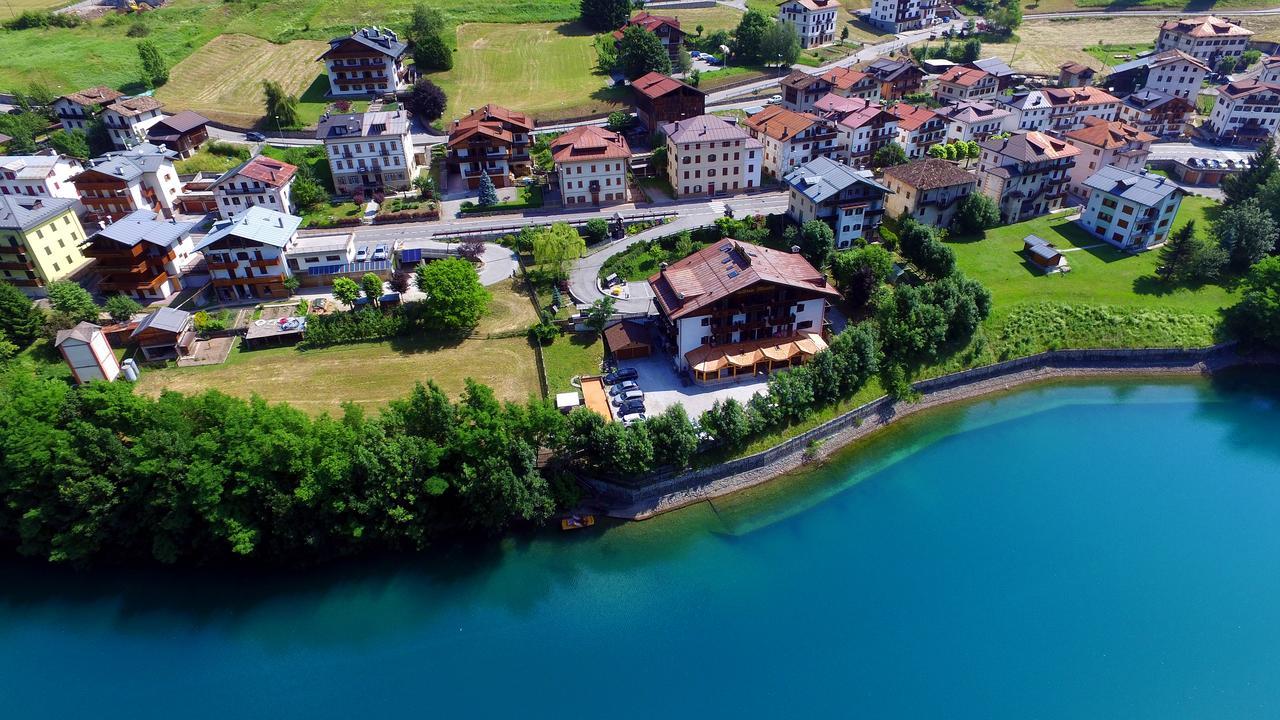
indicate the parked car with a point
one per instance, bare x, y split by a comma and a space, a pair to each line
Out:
362, 253
620, 375
628, 397
632, 418
623, 387
695, 54
775, 99
635, 406
710, 59
380, 252
254, 136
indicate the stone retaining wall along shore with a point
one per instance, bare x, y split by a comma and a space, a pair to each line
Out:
670, 491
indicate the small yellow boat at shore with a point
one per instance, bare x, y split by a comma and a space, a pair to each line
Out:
577, 522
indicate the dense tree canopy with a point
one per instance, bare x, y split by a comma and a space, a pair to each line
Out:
426, 35
282, 108
427, 101
1186, 258
976, 213
604, 15
641, 52
20, 319
155, 72
72, 301
749, 43
1256, 318
455, 298
1246, 232
817, 242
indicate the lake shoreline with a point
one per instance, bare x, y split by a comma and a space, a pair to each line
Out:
818, 451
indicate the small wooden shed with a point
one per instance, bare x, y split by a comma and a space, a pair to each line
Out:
628, 339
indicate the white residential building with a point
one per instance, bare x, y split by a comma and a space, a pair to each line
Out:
814, 20
369, 152
864, 126
1207, 39
1244, 113
1157, 113
849, 200
128, 120
1030, 110
974, 120
708, 155
1070, 106
1269, 72
258, 181
1131, 210
1026, 174
961, 82
366, 62
1176, 73
76, 110
1107, 144
45, 175
120, 182
919, 128
591, 163
791, 138
902, 15
246, 254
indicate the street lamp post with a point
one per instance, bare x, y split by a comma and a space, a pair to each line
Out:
278, 133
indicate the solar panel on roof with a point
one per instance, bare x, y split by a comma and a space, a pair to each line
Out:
733, 273
726, 247
724, 260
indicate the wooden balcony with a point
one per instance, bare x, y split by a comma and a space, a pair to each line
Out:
256, 280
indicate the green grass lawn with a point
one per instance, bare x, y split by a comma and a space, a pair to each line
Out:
1107, 52
205, 161
546, 70
324, 215
1109, 299
571, 354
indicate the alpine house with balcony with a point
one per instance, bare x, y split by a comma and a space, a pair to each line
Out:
116, 184
128, 120
78, 109
491, 141
141, 255
1131, 210
260, 180
791, 138
369, 152
40, 241
369, 61
1026, 174
1107, 144
903, 15
849, 200
246, 254
735, 310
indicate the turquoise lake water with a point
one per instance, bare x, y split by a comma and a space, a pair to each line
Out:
1089, 550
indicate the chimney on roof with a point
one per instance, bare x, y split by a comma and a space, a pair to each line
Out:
795, 249
102, 225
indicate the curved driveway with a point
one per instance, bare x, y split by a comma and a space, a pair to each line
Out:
583, 285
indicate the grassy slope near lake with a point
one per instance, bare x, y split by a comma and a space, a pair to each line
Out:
1109, 299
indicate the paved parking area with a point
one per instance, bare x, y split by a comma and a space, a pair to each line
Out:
663, 388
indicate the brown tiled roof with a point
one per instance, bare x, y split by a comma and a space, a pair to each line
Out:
930, 173
1078, 96
97, 95
1207, 26
844, 78
972, 111
1243, 88
135, 106
626, 334
964, 76
911, 117
183, 122
589, 142
1031, 147
267, 170
1075, 68
780, 123
726, 267
801, 80
1109, 134
656, 85
491, 113
649, 22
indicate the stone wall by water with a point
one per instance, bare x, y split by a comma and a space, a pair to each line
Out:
667, 491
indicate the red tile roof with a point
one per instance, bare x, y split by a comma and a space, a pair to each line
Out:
648, 22
814, 4
135, 106
911, 117
964, 76
726, 267
589, 143
1078, 96
844, 78
930, 173
780, 123
1109, 134
1207, 26
267, 170
656, 85
97, 95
